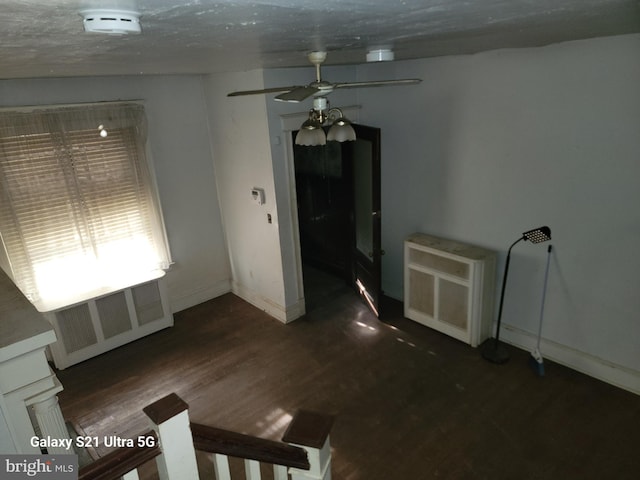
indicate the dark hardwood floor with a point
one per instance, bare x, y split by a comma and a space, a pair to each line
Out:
409, 403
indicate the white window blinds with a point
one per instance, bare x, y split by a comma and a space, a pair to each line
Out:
79, 215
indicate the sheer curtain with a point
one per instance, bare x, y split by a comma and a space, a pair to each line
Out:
79, 215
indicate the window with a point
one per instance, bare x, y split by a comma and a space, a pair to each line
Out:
79, 215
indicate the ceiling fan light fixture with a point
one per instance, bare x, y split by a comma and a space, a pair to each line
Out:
341, 131
111, 21
311, 133
311, 138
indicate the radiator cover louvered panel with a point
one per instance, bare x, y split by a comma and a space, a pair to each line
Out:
104, 323
76, 329
114, 314
148, 303
454, 304
421, 297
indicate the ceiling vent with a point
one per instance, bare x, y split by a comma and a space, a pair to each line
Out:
111, 21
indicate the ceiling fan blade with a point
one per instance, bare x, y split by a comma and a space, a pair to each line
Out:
378, 83
297, 94
265, 90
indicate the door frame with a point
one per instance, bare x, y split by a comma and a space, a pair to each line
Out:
289, 123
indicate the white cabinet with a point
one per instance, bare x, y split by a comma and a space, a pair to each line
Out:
449, 286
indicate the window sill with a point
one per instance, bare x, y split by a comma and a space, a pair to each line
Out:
55, 304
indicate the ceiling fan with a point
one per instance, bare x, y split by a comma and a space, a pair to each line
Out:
311, 132
319, 87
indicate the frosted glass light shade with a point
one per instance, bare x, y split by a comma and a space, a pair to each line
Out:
311, 137
341, 131
311, 132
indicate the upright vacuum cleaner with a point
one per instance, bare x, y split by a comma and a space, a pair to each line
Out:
536, 357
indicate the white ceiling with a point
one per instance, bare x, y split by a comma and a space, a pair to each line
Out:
45, 38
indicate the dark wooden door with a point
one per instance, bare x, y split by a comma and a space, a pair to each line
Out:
338, 195
364, 156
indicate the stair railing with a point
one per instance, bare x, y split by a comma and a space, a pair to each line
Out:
306, 455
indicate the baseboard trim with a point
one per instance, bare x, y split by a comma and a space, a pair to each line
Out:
296, 310
617, 375
277, 311
191, 299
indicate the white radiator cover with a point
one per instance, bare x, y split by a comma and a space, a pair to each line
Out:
104, 323
449, 286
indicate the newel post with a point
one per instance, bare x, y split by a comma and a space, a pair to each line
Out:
170, 419
50, 420
310, 430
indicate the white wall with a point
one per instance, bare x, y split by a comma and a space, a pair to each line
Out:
242, 156
180, 147
491, 145
488, 146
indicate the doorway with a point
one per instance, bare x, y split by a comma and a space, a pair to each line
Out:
338, 206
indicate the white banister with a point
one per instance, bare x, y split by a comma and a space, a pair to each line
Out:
280, 472
123, 462
320, 461
221, 467
170, 420
132, 475
310, 430
175, 439
253, 450
252, 469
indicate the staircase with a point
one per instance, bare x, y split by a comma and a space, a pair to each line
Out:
303, 454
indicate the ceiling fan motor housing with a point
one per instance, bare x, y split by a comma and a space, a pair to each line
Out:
320, 103
317, 58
